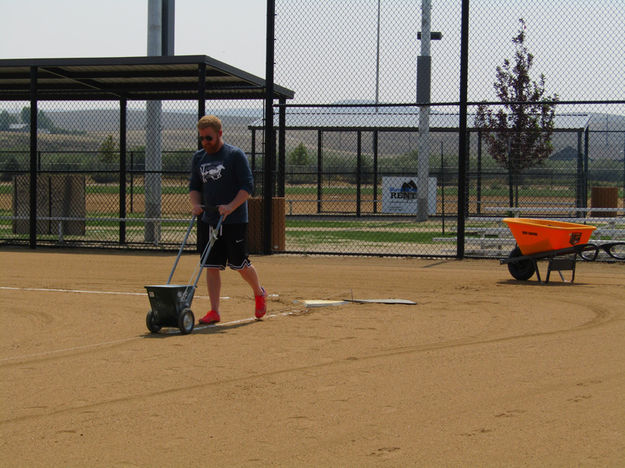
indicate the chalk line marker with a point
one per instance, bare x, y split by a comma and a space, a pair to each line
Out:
85, 291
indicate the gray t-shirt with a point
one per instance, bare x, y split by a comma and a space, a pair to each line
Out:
219, 177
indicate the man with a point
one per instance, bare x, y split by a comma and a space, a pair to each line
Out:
221, 177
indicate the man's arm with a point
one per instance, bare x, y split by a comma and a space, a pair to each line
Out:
238, 200
196, 202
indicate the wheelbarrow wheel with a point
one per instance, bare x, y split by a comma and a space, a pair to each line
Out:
521, 270
150, 321
186, 321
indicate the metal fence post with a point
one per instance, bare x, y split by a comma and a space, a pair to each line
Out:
375, 171
462, 137
123, 104
270, 142
281, 147
580, 173
319, 168
358, 172
33, 157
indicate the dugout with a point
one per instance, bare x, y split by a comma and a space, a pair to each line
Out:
123, 79
361, 119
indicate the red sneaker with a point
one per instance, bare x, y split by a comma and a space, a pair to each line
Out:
261, 306
211, 317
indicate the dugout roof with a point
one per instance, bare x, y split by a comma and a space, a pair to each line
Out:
185, 77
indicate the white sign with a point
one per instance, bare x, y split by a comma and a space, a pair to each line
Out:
399, 195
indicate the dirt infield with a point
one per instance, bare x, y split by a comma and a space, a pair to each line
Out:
483, 371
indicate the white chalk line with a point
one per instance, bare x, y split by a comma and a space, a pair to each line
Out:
67, 350
173, 331
85, 291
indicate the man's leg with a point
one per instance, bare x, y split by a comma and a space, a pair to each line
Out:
213, 264
238, 260
213, 284
250, 275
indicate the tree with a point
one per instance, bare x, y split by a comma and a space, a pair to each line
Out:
107, 152
519, 134
43, 121
298, 156
297, 159
25, 115
109, 157
6, 120
9, 169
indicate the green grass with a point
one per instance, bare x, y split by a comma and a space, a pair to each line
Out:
326, 237
298, 223
451, 191
312, 190
137, 189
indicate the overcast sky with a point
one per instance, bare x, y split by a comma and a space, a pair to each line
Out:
578, 44
111, 28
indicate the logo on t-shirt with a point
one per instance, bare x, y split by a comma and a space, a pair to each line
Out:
212, 170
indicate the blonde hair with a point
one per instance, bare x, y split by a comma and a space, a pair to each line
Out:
211, 121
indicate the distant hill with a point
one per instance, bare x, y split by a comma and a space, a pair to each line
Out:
107, 120
567, 153
179, 132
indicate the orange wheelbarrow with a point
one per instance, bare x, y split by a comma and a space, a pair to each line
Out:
558, 242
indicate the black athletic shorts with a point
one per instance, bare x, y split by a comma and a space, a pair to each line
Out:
229, 249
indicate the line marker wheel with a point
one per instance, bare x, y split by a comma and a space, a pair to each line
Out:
150, 321
186, 321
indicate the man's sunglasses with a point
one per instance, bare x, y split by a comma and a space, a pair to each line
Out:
207, 138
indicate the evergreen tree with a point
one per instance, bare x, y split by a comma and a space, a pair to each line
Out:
298, 156
43, 121
6, 120
25, 115
107, 152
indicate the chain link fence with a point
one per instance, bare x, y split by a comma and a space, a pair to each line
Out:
86, 196
353, 132
359, 169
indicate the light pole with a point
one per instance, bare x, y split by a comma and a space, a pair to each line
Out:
424, 63
161, 14
377, 63
153, 147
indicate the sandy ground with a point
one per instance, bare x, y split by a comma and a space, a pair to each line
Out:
483, 371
